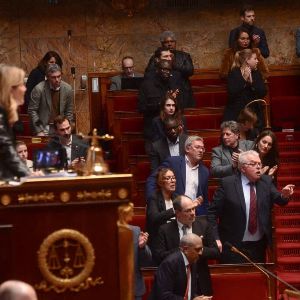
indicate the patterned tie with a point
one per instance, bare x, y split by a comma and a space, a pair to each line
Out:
252, 224
188, 279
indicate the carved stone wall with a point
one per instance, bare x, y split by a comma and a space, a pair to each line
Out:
101, 36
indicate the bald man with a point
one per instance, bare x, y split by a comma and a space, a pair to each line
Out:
17, 290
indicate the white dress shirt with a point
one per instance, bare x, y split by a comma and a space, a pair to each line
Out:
191, 179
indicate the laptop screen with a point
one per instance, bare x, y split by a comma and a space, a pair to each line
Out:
131, 83
49, 159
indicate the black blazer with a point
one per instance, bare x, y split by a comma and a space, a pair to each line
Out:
229, 207
170, 280
160, 150
168, 242
157, 215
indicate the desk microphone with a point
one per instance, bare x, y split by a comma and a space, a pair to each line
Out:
260, 268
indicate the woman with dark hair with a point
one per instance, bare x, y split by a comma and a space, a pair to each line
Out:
266, 146
245, 83
38, 74
168, 107
12, 91
242, 41
160, 205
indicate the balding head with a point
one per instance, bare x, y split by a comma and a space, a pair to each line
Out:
17, 290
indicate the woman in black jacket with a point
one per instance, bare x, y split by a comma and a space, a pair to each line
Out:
12, 90
245, 83
160, 205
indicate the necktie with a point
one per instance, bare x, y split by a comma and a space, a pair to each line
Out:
252, 224
188, 279
184, 229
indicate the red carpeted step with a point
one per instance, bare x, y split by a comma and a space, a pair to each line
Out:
290, 156
291, 169
288, 136
292, 208
288, 250
289, 146
210, 99
290, 221
284, 180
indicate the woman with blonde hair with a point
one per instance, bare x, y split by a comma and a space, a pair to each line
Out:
245, 84
12, 90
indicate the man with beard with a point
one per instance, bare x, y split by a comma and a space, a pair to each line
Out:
241, 211
75, 149
170, 145
182, 62
49, 99
257, 35
153, 90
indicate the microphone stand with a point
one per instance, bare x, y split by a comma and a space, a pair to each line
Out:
265, 272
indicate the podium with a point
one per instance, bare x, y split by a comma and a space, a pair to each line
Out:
62, 236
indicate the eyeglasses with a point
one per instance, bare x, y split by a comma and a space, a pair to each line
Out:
172, 128
253, 164
189, 210
169, 178
198, 249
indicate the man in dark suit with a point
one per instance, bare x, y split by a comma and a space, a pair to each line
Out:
170, 145
224, 158
75, 149
186, 222
257, 35
176, 276
182, 62
243, 205
191, 174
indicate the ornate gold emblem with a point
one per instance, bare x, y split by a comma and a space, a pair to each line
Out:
122, 193
5, 199
66, 259
65, 197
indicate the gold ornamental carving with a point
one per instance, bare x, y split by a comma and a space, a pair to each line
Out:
42, 197
66, 259
5, 199
94, 195
122, 193
65, 197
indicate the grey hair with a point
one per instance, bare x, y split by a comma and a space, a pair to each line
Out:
243, 157
164, 35
191, 139
231, 125
52, 68
189, 240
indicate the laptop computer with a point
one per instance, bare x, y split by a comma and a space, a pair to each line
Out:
131, 83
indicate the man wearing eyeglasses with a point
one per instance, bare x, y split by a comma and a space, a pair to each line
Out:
190, 172
186, 222
243, 205
176, 276
127, 72
182, 62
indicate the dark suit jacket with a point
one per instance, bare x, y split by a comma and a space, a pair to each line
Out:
79, 147
221, 162
157, 215
158, 128
170, 280
229, 207
142, 258
168, 241
178, 165
160, 150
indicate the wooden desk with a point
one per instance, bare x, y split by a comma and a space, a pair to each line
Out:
61, 235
